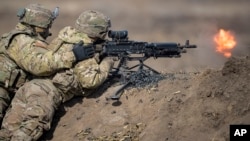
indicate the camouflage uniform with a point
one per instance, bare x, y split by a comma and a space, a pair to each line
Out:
88, 74
23, 52
33, 107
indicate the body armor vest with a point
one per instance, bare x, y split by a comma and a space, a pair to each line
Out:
11, 76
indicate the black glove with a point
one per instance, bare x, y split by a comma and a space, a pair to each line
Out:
82, 52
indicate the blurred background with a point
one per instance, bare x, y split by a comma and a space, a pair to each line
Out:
158, 21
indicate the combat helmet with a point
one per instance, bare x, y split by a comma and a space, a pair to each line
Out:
37, 15
93, 23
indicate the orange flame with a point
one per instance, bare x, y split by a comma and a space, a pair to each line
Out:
225, 42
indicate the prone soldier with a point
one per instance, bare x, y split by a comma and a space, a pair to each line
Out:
24, 54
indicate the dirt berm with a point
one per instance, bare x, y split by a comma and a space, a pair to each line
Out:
197, 106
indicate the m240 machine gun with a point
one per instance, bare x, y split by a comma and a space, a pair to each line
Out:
126, 50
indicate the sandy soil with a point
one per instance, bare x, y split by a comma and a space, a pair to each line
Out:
205, 93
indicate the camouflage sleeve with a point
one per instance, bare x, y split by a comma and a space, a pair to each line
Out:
32, 56
91, 74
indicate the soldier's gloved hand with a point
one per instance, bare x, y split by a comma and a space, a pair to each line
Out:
83, 52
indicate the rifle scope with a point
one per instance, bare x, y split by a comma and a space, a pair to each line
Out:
123, 34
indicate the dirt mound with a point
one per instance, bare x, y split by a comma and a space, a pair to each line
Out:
221, 99
185, 106
225, 96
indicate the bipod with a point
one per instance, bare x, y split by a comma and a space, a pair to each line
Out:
141, 66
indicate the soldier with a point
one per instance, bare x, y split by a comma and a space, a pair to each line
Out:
34, 104
24, 52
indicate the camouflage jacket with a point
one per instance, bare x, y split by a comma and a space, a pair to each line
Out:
30, 53
86, 75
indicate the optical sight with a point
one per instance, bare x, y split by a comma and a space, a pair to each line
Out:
118, 35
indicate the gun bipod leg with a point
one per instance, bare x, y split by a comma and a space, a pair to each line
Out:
119, 92
155, 71
141, 66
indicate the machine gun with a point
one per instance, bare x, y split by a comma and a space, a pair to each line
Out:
125, 49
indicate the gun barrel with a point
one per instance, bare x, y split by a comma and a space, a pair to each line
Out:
162, 46
191, 46
187, 45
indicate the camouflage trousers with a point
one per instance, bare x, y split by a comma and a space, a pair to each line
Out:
31, 111
5, 99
